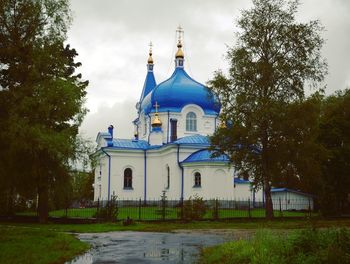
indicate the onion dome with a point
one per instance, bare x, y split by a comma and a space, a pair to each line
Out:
177, 92
150, 81
156, 122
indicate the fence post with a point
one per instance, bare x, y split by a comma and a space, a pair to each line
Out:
98, 209
140, 203
279, 200
182, 208
249, 212
309, 208
217, 208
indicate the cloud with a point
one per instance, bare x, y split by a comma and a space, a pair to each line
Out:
112, 39
120, 115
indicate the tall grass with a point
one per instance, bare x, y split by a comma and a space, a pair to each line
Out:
303, 246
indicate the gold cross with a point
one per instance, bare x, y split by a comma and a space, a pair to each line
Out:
156, 106
150, 46
180, 31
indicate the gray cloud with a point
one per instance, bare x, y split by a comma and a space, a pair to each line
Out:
111, 38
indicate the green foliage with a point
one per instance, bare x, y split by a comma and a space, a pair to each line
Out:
194, 208
41, 99
306, 246
110, 211
274, 56
335, 138
163, 211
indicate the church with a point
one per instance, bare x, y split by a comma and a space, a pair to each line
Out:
169, 149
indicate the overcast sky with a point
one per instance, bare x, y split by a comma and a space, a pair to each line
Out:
112, 37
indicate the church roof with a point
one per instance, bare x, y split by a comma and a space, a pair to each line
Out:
130, 144
277, 190
144, 145
205, 155
241, 181
178, 91
150, 83
194, 139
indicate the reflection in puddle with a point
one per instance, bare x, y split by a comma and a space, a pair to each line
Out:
144, 247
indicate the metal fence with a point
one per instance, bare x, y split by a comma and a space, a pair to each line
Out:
162, 209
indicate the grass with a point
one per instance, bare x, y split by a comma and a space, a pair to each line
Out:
309, 246
32, 245
171, 226
153, 213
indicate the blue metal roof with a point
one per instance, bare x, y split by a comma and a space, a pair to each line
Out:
150, 83
143, 144
240, 181
130, 144
195, 139
275, 190
178, 91
205, 155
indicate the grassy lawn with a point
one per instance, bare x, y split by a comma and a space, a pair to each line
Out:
310, 246
37, 245
153, 213
171, 226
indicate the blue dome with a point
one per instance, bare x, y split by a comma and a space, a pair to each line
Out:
205, 155
178, 91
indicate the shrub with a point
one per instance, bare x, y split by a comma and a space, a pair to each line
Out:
110, 211
194, 208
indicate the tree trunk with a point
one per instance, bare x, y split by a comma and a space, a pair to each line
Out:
43, 203
268, 201
266, 174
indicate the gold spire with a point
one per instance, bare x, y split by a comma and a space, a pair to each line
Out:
156, 122
150, 59
179, 53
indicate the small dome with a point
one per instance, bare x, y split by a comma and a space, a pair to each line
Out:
156, 122
177, 92
150, 59
205, 155
179, 53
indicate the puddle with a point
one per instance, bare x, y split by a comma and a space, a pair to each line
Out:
145, 247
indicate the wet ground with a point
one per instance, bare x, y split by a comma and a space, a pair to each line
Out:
147, 247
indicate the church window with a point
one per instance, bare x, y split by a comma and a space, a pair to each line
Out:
167, 177
197, 179
191, 122
173, 130
128, 178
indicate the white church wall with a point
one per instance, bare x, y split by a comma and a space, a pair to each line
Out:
120, 162
206, 124
101, 179
216, 181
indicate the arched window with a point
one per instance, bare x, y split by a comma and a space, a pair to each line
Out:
197, 179
191, 122
127, 178
167, 177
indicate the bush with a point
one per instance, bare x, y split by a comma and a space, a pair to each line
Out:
194, 208
109, 212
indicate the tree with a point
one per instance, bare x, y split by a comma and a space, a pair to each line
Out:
43, 97
272, 60
335, 137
